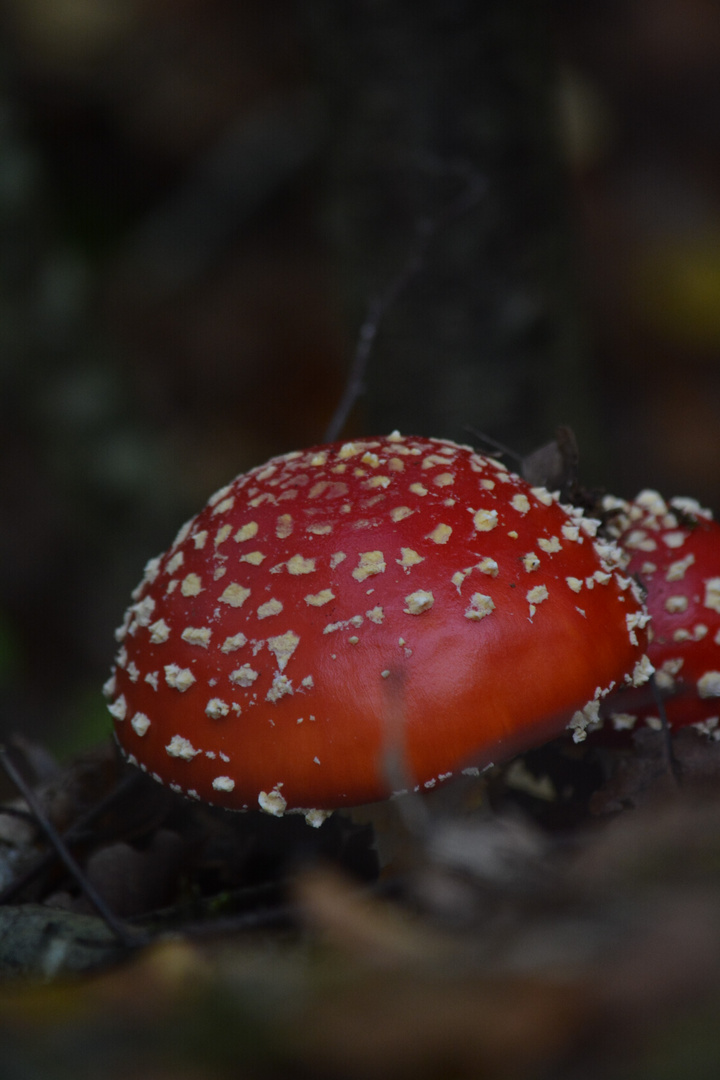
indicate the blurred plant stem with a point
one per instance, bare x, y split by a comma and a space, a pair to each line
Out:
431, 99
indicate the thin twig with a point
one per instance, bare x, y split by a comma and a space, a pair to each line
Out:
672, 763
425, 231
74, 835
271, 918
494, 445
124, 936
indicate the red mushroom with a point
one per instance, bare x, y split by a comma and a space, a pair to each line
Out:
347, 603
674, 548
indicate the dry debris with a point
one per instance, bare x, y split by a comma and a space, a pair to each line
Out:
522, 936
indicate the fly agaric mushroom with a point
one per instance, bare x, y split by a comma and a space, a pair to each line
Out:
675, 550
347, 603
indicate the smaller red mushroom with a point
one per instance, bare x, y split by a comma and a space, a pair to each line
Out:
674, 549
396, 598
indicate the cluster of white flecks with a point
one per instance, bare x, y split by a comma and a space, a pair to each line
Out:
658, 531
321, 504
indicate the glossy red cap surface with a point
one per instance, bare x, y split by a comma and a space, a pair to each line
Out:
353, 619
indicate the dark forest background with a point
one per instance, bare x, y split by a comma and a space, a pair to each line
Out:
198, 201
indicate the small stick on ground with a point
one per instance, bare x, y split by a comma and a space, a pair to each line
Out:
124, 936
672, 764
76, 832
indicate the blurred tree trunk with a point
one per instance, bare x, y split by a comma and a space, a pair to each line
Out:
429, 97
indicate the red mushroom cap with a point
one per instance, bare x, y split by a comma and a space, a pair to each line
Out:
384, 599
675, 550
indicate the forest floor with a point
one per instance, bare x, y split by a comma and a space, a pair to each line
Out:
558, 920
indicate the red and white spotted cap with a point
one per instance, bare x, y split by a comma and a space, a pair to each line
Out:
674, 547
386, 599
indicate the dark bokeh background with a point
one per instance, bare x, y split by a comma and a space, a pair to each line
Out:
199, 198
